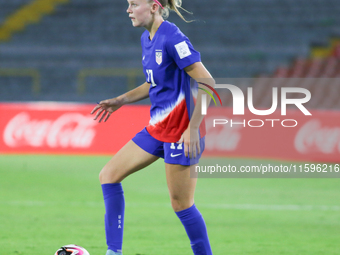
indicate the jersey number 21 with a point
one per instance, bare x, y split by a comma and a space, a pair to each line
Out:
150, 77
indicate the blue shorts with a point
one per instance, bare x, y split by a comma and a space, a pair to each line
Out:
173, 153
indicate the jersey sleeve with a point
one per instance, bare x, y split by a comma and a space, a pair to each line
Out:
181, 50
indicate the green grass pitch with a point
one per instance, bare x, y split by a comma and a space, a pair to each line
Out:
50, 201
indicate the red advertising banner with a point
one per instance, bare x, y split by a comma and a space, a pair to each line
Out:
63, 128
66, 128
292, 137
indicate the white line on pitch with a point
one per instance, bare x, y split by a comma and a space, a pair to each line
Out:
209, 206
274, 207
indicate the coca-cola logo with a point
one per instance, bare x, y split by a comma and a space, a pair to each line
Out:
221, 137
312, 137
70, 130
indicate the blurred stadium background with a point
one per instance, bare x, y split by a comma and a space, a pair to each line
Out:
86, 50
82, 50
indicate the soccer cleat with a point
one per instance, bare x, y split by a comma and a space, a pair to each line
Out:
110, 252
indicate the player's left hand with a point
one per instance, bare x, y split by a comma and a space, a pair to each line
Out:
191, 142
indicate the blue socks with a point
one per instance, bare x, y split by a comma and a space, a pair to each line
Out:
191, 219
114, 218
194, 225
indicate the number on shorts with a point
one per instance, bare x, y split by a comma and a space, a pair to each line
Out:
179, 146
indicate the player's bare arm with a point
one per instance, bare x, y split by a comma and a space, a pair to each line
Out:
108, 106
198, 72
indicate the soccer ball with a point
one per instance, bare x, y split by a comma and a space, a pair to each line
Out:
72, 249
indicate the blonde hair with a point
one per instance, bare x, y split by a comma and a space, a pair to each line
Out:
173, 5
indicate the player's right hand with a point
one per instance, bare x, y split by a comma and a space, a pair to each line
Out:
106, 108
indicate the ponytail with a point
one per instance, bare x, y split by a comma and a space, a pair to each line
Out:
173, 5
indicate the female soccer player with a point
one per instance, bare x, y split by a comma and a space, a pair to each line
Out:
174, 132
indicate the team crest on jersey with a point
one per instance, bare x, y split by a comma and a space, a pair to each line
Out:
159, 57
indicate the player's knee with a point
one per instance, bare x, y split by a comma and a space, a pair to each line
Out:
181, 204
109, 175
